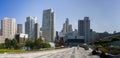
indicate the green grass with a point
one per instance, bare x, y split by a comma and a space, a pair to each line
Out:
11, 51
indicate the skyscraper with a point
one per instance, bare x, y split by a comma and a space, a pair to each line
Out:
67, 27
64, 28
87, 29
70, 28
19, 28
49, 25
8, 26
81, 28
67, 24
37, 30
31, 27
84, 28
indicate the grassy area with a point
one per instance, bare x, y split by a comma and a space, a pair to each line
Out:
11, 51
23, 51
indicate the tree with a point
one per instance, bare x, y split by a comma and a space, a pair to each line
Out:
11, 43
8, 43
61, 41
38, 43
30, 43
14, 43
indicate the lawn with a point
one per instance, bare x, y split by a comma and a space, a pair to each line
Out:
11, 51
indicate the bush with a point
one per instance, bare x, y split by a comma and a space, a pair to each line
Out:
110, 50
45, 45
2, 46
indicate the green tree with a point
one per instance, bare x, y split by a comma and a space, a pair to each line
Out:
30, 43
8, 43
14, 43
38, 43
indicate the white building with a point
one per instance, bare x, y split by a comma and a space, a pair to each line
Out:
20, 37
49, 25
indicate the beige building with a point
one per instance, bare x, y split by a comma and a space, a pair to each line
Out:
2, 39
67, 27
8, 26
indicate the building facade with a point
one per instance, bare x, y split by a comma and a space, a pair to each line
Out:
49, 25
37, 31
30, 27
8, 26
21, 38
19, 28
84, 28
67, 27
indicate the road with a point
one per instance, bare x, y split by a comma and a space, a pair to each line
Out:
73, 52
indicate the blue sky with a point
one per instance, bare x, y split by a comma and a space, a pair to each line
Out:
104, 14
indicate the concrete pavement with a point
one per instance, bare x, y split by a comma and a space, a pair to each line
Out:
73, 52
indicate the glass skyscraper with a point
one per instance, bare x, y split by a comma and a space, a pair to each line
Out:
49, 25
31, 27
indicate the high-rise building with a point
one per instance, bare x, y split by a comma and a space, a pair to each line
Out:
84, 28
64, 28
87, 29
19, 28
31, 27
70, 28
8, 26
67, 24
67, 27
81, 28
37, 30
49, 25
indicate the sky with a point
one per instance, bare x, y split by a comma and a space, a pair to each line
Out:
104, 14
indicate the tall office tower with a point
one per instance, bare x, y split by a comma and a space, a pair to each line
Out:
8, 26
67, 27
64, 28
87, 29
19, 28
81, 28
70, 28
84, 28
37, 31
49, 25
31, 26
